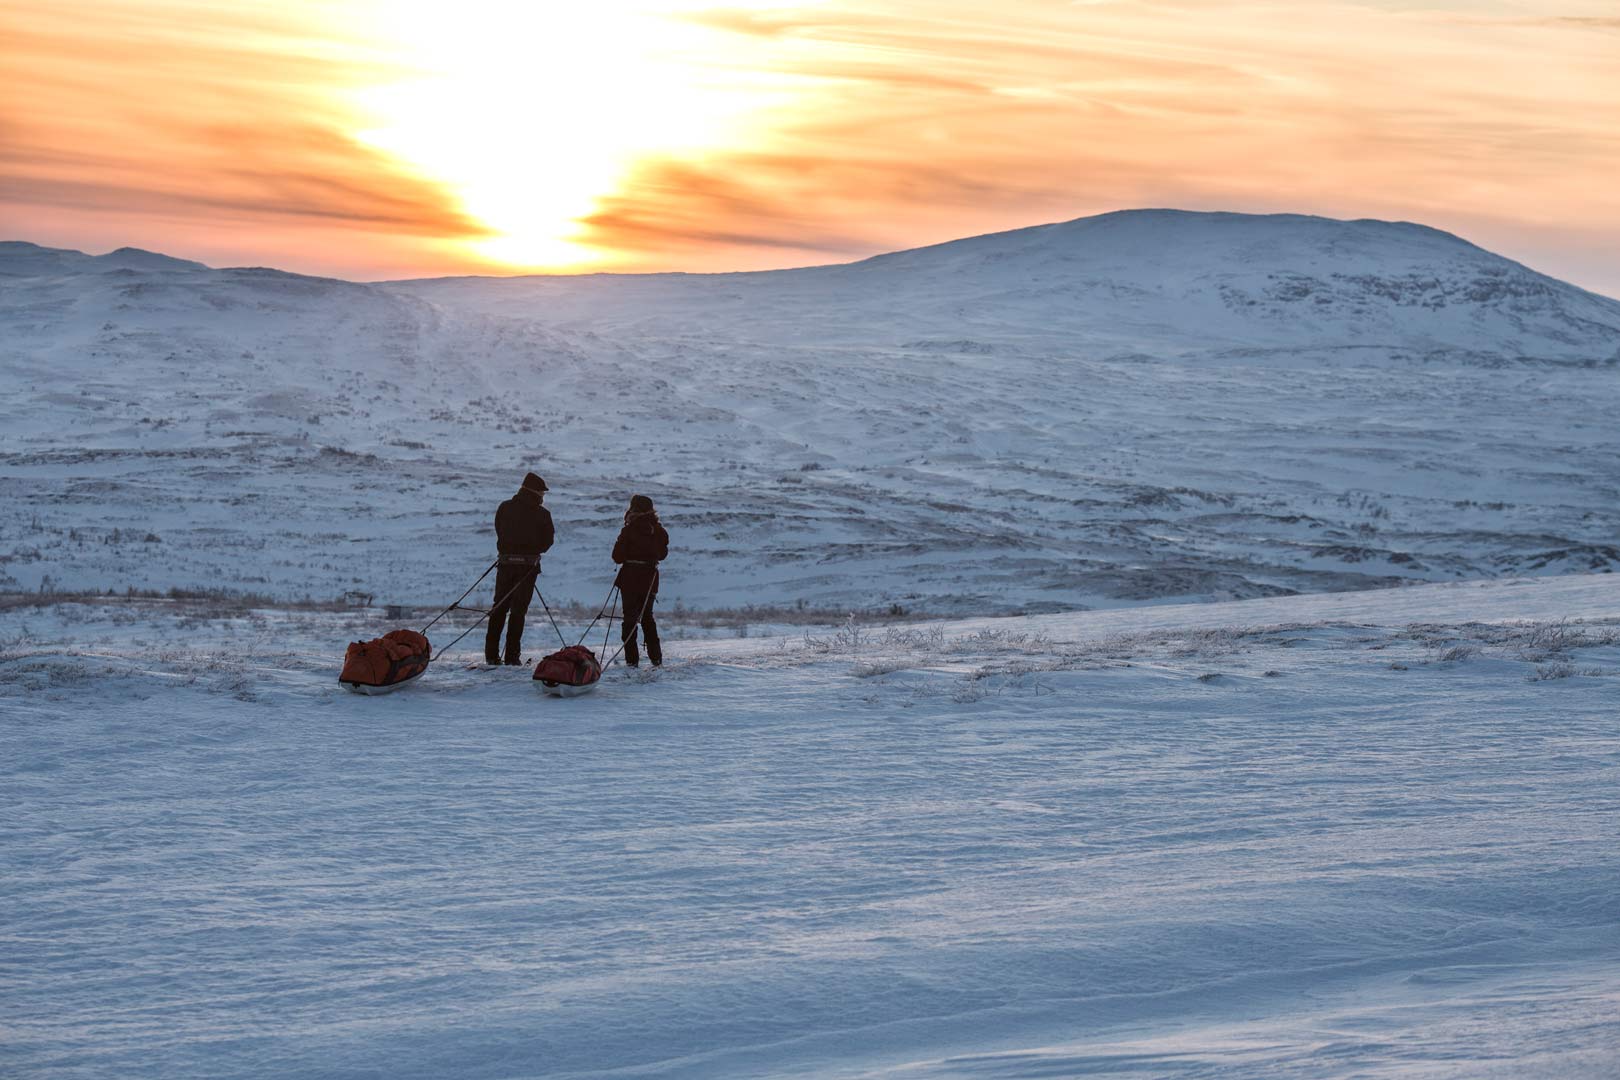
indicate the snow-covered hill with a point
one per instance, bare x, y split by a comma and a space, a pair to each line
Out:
1164, 281
21, 259
1119, 410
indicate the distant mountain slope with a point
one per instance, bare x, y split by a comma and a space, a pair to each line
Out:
1170, 279
1121, 410
21, 259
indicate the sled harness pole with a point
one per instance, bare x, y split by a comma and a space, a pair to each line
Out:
462, 597
608, 630
482, 617
547, 609
601, 610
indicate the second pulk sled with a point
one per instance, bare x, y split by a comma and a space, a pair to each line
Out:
573, 669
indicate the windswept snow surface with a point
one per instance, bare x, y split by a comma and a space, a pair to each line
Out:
1366, 835
1134, 408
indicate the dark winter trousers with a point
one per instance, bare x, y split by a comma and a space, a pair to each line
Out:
641, 604
514, 583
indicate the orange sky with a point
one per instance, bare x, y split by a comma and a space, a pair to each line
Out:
387, 138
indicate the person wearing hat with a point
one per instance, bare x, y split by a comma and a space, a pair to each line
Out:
523, 532
641, 546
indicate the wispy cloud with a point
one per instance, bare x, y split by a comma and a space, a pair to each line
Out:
920, 121
867, 125
204, 114
1588, 22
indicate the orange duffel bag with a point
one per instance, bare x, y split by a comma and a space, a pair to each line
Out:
569, 671
383, 664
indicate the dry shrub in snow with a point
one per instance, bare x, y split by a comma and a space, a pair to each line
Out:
927, 640
1218, 642
867, 669
1564, 670
1547, 643
43, 673
996, 639
17, 645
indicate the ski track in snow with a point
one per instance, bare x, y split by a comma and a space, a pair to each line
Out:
1359, 835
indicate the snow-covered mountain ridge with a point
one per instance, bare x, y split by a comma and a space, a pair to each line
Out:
1112, 411
18, 258
1174, 279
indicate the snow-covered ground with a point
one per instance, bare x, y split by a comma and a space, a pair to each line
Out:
1301, 832
1135, 408
1357, 835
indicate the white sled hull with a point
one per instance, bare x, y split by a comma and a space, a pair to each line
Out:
373, 691
556, 689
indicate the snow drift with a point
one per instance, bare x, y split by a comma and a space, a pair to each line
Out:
1324, 837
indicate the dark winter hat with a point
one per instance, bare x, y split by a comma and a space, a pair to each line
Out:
640, 504
533, 483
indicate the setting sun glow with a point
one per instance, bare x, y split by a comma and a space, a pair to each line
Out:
532, 113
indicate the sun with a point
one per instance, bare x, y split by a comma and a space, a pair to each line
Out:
532, 112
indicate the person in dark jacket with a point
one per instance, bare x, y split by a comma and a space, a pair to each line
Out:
523, 532
641, 546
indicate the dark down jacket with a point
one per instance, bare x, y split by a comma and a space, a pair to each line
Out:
641, 546
523, 526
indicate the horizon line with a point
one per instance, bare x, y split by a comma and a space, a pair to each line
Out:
1142, 210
